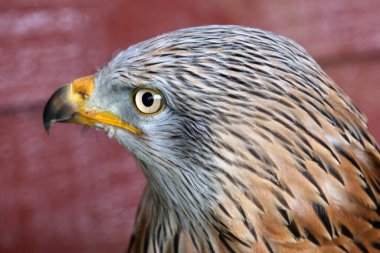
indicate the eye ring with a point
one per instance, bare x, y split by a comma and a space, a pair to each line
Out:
148, 101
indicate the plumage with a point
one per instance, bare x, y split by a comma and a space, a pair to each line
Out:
253, 149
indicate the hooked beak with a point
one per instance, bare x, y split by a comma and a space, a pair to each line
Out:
68, 105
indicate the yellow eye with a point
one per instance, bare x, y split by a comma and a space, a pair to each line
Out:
148, 101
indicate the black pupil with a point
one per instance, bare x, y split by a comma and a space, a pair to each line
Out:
147, 99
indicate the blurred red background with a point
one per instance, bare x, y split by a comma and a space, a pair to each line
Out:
76, 190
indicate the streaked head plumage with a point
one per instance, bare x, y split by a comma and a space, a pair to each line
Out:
234, 125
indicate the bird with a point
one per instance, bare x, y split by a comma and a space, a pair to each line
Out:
246, 143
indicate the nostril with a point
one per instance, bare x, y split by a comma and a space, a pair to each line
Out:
83, 94
83, 86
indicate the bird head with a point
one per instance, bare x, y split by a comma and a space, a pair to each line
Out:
165, 101
230, 125
193, 106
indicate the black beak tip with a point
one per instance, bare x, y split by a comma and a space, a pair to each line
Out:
55, 109
47, 127
47, 116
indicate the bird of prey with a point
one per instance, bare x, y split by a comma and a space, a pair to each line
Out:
247, 145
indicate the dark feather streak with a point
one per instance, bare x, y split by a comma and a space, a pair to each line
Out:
324, 218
